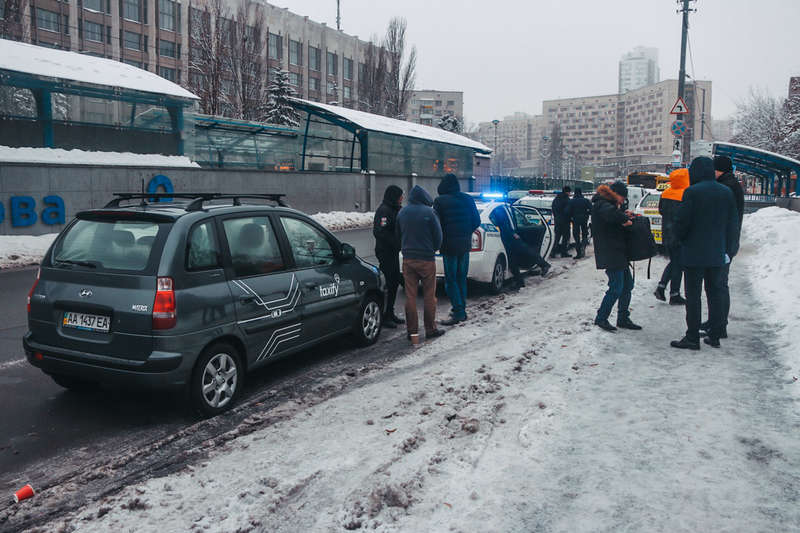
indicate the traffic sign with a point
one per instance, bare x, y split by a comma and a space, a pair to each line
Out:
678, 128
679, 108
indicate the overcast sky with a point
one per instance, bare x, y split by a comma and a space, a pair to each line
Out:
510, 55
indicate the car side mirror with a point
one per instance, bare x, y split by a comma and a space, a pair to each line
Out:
346, 252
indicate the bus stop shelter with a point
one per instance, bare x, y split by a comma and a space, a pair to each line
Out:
772, 171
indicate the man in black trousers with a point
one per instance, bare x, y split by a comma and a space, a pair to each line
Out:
707, 226
561, 222
387, 249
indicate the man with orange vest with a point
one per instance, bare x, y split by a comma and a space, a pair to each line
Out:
667, 207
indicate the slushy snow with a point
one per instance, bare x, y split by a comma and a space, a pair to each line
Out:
526, 418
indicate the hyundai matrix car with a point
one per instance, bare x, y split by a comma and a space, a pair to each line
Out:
648, 207
193, 292
488, 260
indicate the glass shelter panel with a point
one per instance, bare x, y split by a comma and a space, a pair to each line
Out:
393, 154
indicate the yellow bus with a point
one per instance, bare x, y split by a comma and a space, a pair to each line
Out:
648, 180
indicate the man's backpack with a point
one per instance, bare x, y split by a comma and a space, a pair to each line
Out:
639, 241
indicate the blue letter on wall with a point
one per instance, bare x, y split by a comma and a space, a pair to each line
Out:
2, 213
160, 181
54, 212
23, 211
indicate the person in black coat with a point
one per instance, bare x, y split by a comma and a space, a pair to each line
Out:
609, 223
387, 249
520, 254
723, 169
561, 222
459, 218
707, 225
579, 210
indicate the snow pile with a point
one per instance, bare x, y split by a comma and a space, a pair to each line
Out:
22, 250
770, 251
340, 220
83, 157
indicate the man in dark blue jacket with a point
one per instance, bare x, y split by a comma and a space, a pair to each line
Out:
459, 218
707, 226
561, 222
579, 210
387, 249
420, 236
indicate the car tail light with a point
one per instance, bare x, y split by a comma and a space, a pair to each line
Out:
477, 241
164, 309
33, 288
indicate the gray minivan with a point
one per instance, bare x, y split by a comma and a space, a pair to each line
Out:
193, 291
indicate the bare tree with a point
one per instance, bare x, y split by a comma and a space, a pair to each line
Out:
372, 78
210, 56
402, 71
247, 66
758, 121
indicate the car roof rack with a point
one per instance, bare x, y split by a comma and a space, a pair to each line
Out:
195, 200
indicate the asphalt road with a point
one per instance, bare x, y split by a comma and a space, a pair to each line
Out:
40, 421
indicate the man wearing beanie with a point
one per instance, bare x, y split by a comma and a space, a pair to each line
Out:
707, 226
723, 169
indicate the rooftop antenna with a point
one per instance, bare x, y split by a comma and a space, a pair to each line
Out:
338, 16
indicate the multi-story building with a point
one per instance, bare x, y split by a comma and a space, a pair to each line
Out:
427, 107
794, 86
518, 136
722, 130
323, 63
588, 124
638, 68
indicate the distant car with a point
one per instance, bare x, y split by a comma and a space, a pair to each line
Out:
648, 206
488, 261
541, 200
193, 293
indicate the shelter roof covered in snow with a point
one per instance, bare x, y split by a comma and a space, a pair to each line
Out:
392, 126
72, 66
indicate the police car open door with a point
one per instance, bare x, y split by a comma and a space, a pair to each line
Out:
532, 227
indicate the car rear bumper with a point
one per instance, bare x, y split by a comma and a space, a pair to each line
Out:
160, 369
481, 266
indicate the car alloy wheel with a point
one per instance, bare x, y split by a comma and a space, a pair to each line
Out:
498, 275
220, 379
371, 320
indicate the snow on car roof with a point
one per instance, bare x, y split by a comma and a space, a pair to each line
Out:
60, 64
393, 126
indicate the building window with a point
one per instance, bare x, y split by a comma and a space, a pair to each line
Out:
451, 102
167, 73
47, 20
348, 69
313, 84
333, 64
295, 53
295, 79
166, 48
314, 58
346, 92
166, 14
132, 40
93, 5
331, 88
275, 46
92, 31
131, 62
131, 10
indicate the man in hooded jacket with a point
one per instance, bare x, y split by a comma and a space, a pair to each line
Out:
579, 210
561, 222
667, 207
459, 218
609, 225
387, 249
707, 225
420, 236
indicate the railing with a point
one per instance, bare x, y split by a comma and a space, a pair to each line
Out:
761, 198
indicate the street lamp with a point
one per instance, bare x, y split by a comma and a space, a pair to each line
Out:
495, 122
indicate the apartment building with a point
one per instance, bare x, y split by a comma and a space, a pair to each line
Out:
519, 136
638, 68
323, 63
428, 106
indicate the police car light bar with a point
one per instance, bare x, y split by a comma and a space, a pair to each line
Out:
493, 195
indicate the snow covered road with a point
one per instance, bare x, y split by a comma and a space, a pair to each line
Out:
525, 419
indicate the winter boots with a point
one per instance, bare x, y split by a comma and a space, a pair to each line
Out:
627, 323
676, 299
604, 324
685, 344
660, 293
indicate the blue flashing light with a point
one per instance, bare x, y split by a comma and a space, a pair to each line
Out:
493, 195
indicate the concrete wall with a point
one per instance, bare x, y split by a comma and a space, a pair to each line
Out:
89, 187
788, 203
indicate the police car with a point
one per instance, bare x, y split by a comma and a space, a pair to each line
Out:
488, 261
648, 207
541, 200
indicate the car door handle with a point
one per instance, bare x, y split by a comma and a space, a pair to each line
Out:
310, 285
246, 299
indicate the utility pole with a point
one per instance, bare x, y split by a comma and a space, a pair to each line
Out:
682, 73
338, 16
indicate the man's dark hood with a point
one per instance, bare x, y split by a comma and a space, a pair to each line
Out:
449, 185
420, 196
701, 169
391, 196
578, 193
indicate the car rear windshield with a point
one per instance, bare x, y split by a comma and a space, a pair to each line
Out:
125, 245
650, 201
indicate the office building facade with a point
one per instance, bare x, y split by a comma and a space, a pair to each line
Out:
638, 68
429, 106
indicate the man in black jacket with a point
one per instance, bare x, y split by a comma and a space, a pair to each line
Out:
579, 209
723, 169
561, 222
387, 249
459, 218
520, 254
707, 226
609, 223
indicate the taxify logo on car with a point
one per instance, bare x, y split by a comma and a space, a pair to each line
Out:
331, 289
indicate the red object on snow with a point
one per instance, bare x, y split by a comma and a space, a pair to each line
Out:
23, 494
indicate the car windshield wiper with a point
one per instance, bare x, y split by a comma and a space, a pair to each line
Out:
89, 264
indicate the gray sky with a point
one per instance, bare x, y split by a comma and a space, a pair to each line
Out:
510, 55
